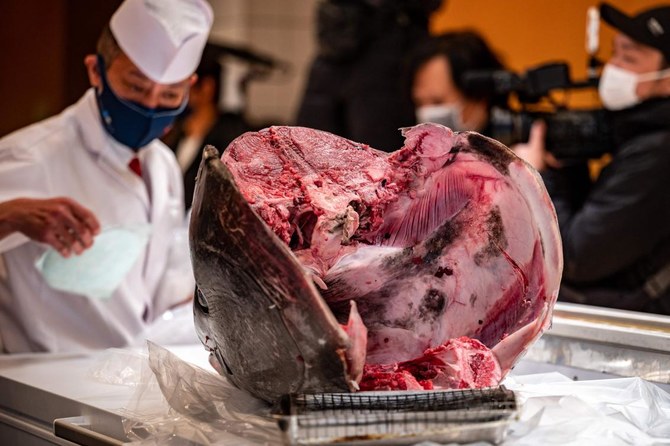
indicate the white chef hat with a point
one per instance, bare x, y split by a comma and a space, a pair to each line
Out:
164, 38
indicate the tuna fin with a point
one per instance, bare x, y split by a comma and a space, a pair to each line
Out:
510, 349
412, 218
355, 354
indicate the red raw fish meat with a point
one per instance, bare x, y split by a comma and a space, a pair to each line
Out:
325, 265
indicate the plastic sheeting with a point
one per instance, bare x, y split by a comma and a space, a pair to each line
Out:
559, 411
176, 401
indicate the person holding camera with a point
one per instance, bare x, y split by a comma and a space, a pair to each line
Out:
439, 91
616, 236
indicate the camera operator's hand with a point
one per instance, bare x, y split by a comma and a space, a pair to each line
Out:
534, 151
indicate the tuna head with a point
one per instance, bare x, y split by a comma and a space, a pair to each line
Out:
325, 265
256, 309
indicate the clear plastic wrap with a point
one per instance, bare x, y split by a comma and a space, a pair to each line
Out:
559, 411
177, 402
199, 406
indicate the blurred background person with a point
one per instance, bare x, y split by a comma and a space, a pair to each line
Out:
355, 88
439, 93
616, 239
205, 121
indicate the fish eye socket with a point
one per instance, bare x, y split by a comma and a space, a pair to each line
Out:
201, 300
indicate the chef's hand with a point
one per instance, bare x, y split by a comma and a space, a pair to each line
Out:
61, 223
534, 151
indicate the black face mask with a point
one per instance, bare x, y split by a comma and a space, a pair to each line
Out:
130, 123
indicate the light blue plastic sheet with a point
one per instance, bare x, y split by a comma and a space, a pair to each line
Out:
99, 270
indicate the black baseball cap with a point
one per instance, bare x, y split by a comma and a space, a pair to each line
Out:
650, 27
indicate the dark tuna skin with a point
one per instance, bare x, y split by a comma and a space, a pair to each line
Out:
256, 310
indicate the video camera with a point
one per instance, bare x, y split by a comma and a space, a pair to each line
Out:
571, 134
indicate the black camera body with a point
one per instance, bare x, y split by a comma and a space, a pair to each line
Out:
571, 134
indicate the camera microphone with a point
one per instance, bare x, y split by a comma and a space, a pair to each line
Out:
531, 87
497, 82
592, 41
592, 29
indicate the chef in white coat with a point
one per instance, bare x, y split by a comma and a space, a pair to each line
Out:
96, 165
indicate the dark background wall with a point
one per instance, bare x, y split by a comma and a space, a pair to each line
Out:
43, 43
43, 47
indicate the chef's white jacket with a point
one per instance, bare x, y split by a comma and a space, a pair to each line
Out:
72, 155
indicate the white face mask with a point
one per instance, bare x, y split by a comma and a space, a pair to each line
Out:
449, 115
617, 86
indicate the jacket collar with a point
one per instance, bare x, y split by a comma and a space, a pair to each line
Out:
96, 140
106, 150
647, 117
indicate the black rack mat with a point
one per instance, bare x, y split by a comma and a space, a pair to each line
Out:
397, 417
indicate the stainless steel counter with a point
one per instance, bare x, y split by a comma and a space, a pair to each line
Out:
36, 390
47, 398
594, 343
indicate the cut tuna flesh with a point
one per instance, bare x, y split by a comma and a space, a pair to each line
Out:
323, 264
461, 363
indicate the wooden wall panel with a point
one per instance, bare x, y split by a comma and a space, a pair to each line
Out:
43, 47
31, 66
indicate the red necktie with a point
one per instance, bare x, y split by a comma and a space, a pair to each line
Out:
135, 166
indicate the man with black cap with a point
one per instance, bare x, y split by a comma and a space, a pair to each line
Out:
616, 237
95, 167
